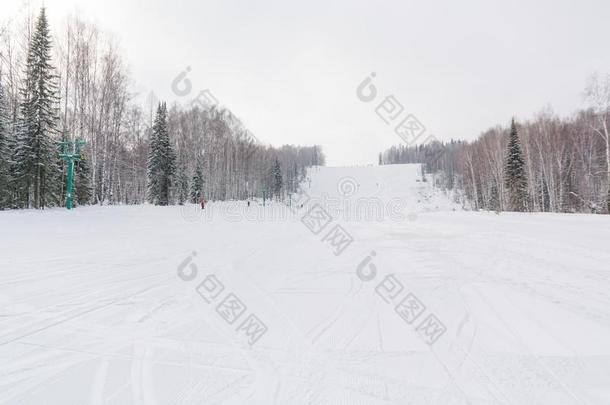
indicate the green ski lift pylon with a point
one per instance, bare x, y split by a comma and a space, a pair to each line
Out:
70, 153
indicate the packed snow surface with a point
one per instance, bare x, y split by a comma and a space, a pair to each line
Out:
411, 300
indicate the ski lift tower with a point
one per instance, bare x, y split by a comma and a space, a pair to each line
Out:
70, 153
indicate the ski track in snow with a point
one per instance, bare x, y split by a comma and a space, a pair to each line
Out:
92, 310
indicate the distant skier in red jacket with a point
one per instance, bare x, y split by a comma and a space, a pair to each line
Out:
202, 201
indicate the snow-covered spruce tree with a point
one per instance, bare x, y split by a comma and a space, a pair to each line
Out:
161, 160
514, 174
197, 184
37, 168
277, 180
5, 163
154, 163
169, 166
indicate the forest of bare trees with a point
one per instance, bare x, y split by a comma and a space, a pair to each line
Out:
93, 100
567, 160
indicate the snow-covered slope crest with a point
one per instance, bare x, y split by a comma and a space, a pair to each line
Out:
374, 193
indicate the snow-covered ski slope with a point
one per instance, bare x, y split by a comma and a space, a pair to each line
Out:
356, 190
421, 304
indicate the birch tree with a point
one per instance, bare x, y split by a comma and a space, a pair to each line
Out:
597, 94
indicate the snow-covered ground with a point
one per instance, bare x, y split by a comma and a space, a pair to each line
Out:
410, 301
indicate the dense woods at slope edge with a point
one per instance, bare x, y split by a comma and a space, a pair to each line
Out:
87, 95
566, 160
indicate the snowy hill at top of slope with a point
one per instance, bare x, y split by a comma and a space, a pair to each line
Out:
349, 191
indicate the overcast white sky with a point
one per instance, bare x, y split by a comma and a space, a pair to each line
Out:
290, 69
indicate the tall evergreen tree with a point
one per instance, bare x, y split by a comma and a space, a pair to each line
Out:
197, 184
514, 175
154, 163
161, 161
5, 163
37, 163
